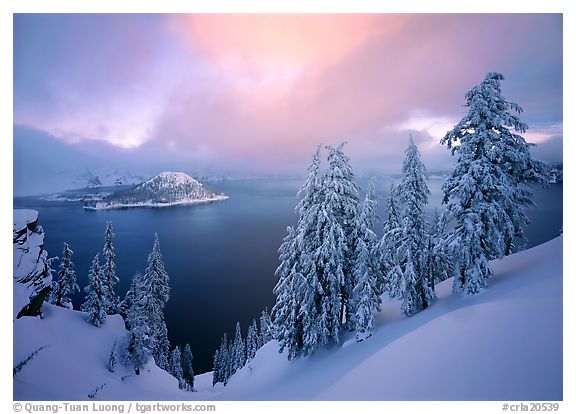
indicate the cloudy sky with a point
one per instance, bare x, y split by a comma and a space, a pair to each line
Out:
257, 93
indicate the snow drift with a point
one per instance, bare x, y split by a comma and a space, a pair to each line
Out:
503, 344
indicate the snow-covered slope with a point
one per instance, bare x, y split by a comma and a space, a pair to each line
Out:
72, 361
165, 189
503, 344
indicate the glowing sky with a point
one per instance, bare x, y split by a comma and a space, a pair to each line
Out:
259, 92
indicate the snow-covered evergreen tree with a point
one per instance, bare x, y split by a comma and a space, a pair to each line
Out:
266, 333
147, 298
187, 369
485, 193
217, 368
154, 293
222, 362
413, 247
315, 276
238, 351
66, 284
291, 315
389, 277
109, 269
161, 352
128, 300
95, 303
335, 255
113, 358
175, 367
287, 326
439, 264
365, 298
141, 343
252, 341
411, 284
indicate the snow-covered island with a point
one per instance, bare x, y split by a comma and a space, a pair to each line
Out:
164, 190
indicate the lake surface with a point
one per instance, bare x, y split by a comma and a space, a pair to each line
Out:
220, 257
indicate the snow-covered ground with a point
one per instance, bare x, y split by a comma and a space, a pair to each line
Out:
503, 344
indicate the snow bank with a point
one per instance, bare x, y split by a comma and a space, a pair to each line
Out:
503, 344
73, 363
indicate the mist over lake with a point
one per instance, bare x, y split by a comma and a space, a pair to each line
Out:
221, 256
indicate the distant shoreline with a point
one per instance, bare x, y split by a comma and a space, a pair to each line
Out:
104, 206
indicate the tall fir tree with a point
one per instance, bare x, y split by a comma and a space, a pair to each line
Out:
365, 298
66, 284
109, 269
148, 332
486, 195
96, 299
155, 292
292, 316
413, 247
386, 252
336, 253
238, 357
187, 369
316, 276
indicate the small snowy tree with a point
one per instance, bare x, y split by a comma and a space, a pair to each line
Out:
252, 340
141, 343
66, 284
113, 358
109, 269
266, 332
485, 193
238, 357
389, 278
439, 264
175, 367
187, 369
161, 352
222, 362
129, 298
95, 303
217, 368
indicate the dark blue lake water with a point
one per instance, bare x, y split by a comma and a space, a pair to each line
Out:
221, 257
